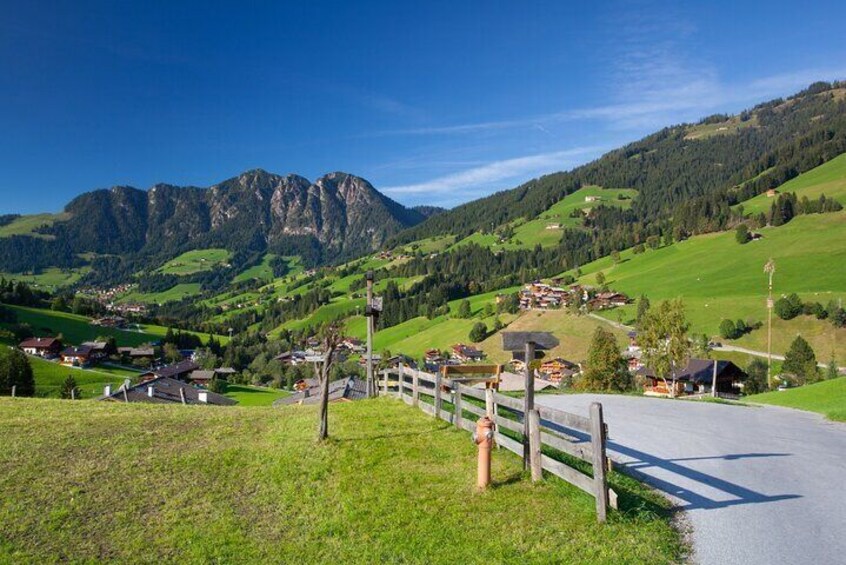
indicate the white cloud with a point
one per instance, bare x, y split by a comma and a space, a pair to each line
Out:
498, 172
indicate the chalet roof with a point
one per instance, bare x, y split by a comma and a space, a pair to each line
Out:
96, 345
166, 391
516, 341
349, 388
702, 371
77, 351
40, 342
175, 369
201, 375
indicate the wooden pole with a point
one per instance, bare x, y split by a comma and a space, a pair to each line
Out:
14, 389
438, 379
73, 394
457, 404
535, 445
528, 399
371, 388
182, 395
415, 387
714, 381
597, 440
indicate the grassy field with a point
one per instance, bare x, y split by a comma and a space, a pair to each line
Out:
49, 279
26, 225
92, 482
718, 278
77, 329
430, 245
49, 377
254, 395
176, 292
730, 126
195, 261
829, 179
827, 398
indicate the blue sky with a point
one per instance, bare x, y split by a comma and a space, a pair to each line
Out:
433, 102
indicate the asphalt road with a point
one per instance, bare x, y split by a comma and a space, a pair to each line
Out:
759, 484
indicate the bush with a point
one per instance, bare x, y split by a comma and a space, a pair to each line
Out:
757, 377
788, 307
218, 385
741, 234
70, 391
479, 332
16, 371
728, 329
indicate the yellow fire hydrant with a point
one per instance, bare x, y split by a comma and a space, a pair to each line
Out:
483, 436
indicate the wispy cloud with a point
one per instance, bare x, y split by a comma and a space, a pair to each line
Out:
489, 175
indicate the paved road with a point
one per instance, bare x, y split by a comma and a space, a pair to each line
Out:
759, 484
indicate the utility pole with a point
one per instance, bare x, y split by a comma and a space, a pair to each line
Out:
368, 313
769, 269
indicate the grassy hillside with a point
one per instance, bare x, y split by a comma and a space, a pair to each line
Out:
195, 261
254, 395
392, 485
829, 179
177, 292
541, 230
718, 278
827, 397
26, 225
77, 329
49, 377
49, 279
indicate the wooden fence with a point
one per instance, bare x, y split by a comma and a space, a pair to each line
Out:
455, 401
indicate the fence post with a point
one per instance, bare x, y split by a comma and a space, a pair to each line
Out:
597, 440
528, 399
457, 403
415, 387
535, 445
438, 379
73, 394
14, 388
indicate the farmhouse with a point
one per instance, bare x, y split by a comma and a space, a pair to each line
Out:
466, 353
165, 390
592, 199
110, 322
47, 347
554, 370
99, 349
77, 356
138, 354
342, 390
771, 193
179, 371
202, 377
697, 378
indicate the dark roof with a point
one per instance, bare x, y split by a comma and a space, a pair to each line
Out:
165, 390
702, 371
516, 341
174, 370
201, 375
349, 388
40, 342
77, 350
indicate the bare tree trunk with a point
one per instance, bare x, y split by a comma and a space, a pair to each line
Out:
323, 431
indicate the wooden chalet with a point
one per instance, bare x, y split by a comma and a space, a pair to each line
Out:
46, 347
179, 371
77, 356
466, 353
697, 377
556, 369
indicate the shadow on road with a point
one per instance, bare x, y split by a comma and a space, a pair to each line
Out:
637, 461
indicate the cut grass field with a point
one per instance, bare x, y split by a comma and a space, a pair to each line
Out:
176, 292
254, 395
49, 279
827, 398
829, 179
195, 261
50, 375
26, 225
92, 482
77, 329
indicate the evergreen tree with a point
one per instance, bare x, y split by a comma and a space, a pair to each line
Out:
69, 389
606, 369
832, 371
16, 371
478, 333
728, 329
741, 234
756, 380
642, 308
464, 309
801, 361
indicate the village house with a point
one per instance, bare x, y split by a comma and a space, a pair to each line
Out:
202, 377
592, 198
46, 347
138, 354
342, 390
353, 345
77, 356
165, 390
542, 296
554, 370
697, 377
772, 193
179, 371
466, 353
608, 299
99, 350
110, 322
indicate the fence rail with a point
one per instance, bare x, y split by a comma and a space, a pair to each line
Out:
454, 400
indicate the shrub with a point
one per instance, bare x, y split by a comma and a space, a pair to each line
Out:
788, 307
741, 234
479, 332
728, 329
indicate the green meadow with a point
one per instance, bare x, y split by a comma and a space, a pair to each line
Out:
199, 484
254, 395
28, 224
195, 261
827, 398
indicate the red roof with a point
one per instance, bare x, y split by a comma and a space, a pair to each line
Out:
40, 342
